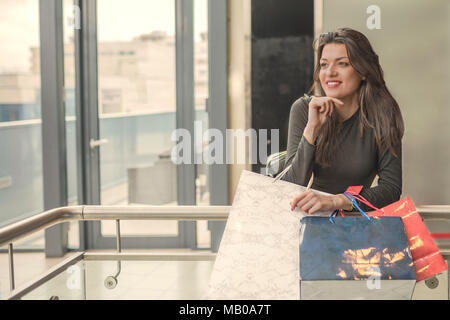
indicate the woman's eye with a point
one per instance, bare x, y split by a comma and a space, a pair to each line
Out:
323, 65
345, 64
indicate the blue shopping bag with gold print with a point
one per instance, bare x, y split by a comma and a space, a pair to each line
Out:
355, 258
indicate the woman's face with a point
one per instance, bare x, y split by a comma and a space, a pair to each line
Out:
337, 76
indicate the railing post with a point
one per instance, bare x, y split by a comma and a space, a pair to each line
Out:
11, 266
119, 244
119, 250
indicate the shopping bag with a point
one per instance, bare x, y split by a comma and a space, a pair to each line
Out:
258, 253
355, 258
428, 260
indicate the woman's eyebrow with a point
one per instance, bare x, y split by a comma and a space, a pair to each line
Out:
335, 59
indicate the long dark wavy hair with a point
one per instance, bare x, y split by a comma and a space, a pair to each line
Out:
378, 109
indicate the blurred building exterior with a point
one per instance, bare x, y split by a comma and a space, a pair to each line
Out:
134, 79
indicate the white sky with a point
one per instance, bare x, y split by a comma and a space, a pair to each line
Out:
125, 19
118, 20
19, 29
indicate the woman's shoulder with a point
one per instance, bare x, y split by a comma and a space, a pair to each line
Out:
301, 105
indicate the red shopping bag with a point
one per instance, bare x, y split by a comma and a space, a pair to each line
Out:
428, 261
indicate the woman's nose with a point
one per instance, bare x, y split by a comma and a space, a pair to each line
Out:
331, 71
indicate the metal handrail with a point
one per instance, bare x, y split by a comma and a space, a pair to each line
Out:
52, 217
49, 218
46, 219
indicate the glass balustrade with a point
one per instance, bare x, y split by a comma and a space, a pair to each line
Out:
148, 280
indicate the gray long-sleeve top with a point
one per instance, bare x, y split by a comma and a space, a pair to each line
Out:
357, 161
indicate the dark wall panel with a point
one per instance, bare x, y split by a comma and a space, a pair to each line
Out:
282, 61
282, 18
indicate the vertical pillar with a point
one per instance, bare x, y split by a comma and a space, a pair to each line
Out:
217, 107
53, 121
186, 189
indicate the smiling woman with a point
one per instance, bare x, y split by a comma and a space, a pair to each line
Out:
338, 78
349, 132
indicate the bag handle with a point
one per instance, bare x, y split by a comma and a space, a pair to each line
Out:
282, 173
354, 203
285, 170
365, 201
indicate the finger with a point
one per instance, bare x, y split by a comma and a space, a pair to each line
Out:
331, 109
324, 107
316, 207
332, 106
321, 108
298, 198
316, 103
337, 101
308, 205
305, 200
327, 107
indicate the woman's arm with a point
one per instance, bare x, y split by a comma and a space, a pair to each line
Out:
306, 118
300, 153
389, 187
308, 114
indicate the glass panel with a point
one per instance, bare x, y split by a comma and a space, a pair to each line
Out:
201, 93
412, 39
136, 63
70, 22
21, 182
149, 280
27, 267
154, 280
33, 241
67, 285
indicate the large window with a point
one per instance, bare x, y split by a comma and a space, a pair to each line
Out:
21, 184
135, 62
137, 104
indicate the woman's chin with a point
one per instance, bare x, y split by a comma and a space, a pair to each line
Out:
332, 94
339, 95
